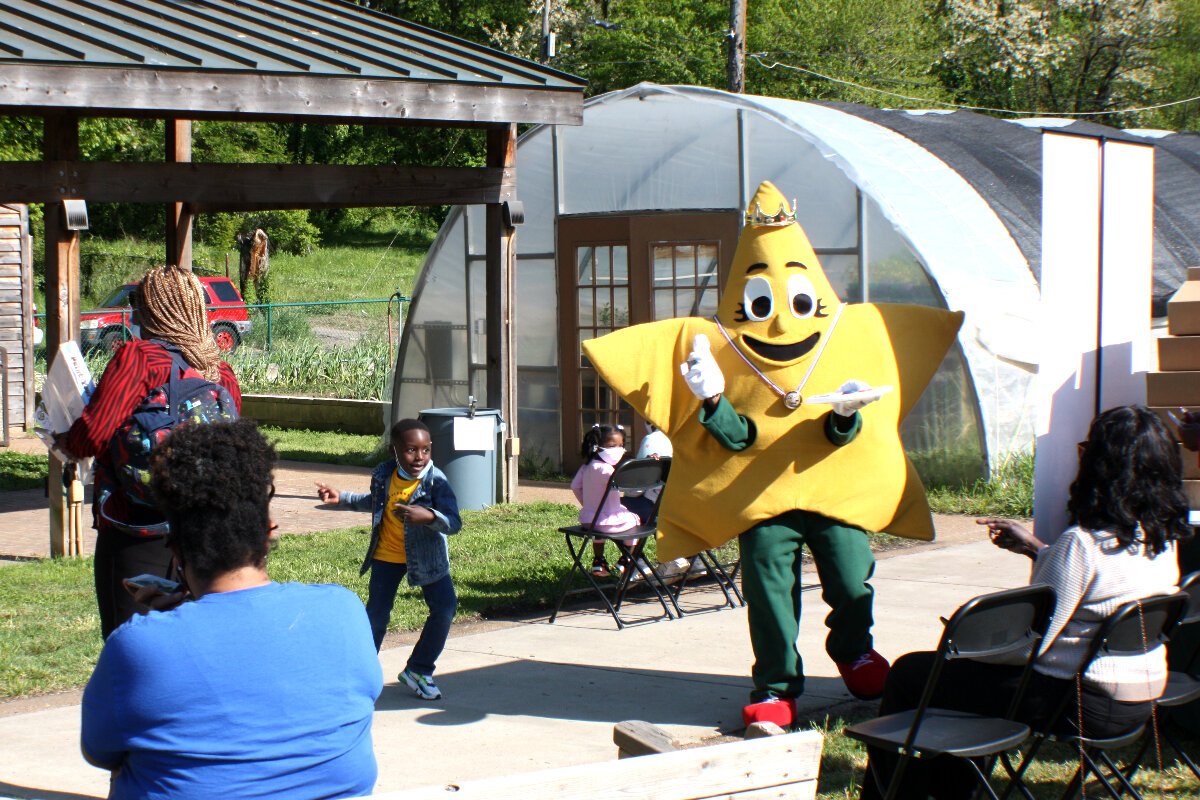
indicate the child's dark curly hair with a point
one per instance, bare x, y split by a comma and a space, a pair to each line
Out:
1130, 477
213, 483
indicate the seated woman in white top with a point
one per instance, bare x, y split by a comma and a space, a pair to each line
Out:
1127, 510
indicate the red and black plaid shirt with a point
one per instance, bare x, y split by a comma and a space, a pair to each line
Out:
137, 368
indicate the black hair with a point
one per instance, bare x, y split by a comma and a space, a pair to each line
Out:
1130, 476
403, 426
213, 483
594, 439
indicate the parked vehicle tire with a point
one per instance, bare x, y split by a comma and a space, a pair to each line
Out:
227, 337
113, 337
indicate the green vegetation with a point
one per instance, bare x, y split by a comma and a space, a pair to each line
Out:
326, 447
1008, 493
49, 631
22, 470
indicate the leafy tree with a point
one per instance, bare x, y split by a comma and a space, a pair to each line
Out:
1055, 55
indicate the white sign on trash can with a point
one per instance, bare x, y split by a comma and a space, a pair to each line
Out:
474, 433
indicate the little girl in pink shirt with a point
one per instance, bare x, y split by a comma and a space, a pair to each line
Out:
603, 449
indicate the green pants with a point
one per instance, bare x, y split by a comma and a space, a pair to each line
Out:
771, 562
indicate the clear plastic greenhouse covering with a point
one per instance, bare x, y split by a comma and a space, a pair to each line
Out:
933, 208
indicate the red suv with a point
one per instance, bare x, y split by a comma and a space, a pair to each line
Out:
110, 325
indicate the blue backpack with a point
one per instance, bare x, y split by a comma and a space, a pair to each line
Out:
187, 398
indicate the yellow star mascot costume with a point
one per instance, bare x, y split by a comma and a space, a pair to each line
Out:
784, 413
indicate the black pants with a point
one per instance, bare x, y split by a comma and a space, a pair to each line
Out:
119, 556
982, 689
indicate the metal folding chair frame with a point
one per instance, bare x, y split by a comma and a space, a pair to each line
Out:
634, 475
1127, 631
981, 627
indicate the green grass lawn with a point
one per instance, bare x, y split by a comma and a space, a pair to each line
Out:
326, 447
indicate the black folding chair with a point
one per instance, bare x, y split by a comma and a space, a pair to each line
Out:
1183, 685
1007, 622
636, 475
1135, 628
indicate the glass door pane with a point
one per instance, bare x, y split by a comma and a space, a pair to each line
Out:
686, 281
602, 295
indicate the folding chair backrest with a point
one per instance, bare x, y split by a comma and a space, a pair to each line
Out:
1190, 585
1138, 626
997, 623
636, 474
639, 474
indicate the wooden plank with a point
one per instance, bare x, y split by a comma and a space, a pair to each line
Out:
10, 246
780, 766
10, 259
637, 738
27, 89
9, 268
225, 187
179, 215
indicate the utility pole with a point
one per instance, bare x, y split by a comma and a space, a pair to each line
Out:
547, 35
736, 66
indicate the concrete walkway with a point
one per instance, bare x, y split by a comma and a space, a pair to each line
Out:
527, 695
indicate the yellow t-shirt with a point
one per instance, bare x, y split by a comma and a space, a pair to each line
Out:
391, 532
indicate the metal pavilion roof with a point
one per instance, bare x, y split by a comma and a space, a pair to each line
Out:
91, 54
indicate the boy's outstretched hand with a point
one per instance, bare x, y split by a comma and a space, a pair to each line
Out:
328, 494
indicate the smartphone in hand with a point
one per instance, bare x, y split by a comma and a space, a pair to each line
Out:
164, 585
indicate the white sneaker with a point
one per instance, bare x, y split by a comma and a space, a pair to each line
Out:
673, 569
422, 685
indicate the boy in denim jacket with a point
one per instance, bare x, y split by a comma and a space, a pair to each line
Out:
413, 510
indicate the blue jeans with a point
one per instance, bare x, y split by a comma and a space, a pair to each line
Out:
439, 596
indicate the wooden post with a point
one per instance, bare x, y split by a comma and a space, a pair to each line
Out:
179, 215
501, 309
60, 143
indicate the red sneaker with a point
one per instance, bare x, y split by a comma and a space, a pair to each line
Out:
865, 675
780, 710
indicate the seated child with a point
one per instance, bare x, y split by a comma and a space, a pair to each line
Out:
413, 509
603, 449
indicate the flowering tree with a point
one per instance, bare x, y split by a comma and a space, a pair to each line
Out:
1055, 55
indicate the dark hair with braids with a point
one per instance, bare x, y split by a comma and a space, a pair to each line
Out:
172, 307
213, 483
1130, 476
593, 440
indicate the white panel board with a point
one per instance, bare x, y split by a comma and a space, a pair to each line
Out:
1127, 250
1069, 317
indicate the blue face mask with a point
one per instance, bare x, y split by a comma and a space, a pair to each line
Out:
403, 473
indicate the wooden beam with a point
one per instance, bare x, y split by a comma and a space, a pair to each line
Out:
60, 143
106, 91
239, 187
179, 215
501, 309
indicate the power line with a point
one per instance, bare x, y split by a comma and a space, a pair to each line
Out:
757, 57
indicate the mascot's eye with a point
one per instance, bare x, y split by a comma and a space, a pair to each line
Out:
802, 295
757, 299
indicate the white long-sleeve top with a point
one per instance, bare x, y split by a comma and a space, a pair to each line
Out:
1092, 575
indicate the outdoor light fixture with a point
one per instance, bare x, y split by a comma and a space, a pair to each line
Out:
513, 213
75, 212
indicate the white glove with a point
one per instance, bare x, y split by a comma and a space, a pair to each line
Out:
701, 372
848, 408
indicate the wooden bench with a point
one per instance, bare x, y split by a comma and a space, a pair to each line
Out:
783, 766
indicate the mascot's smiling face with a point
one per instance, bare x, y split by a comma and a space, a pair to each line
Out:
778, 303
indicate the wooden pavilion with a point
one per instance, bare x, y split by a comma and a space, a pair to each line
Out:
291, 61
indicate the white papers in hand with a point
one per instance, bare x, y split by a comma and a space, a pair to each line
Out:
68, 388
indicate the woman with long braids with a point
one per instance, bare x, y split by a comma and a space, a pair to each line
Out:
170, 308
1127, 510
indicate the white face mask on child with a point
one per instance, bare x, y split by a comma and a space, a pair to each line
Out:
611, 455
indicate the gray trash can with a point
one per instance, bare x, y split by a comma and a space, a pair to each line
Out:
472, 473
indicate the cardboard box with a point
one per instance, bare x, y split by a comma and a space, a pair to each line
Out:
1166, 420
1183, 310
1191, 464
1173, 389
1192, 490
1178, 353
1193, 274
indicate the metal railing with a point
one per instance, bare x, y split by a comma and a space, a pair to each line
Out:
267, 310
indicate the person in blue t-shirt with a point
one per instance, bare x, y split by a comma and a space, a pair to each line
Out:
251, 689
